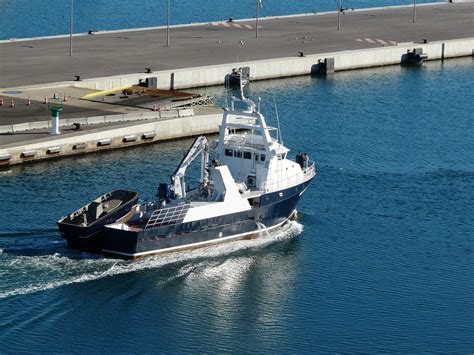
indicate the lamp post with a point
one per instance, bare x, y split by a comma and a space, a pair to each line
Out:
414, 11
71, 28
339, 10
168, 15
257, 5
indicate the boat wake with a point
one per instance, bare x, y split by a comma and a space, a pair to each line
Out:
68, 267
30, 232
32, 242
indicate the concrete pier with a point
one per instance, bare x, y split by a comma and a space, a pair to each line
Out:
39, 144
96, 121
125, 52
291, 66
199, 55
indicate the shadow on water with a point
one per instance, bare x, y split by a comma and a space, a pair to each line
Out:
35, 242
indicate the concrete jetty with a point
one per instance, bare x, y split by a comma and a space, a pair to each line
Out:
199, 55
39, 144
108, 54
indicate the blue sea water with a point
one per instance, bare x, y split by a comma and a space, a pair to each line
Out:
26, 18
380, 259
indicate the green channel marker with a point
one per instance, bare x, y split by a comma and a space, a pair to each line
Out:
55, 105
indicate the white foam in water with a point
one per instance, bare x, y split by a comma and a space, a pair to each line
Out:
116, 267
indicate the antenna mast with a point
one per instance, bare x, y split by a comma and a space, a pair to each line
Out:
279, 138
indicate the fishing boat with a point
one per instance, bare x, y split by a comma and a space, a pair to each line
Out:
251, 186
83, 228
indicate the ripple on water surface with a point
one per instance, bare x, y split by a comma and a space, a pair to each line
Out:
383, 264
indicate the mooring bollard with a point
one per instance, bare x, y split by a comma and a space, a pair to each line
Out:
45, 100
65, 98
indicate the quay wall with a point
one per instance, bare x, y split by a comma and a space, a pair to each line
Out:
109, 138
286, 67
162, 127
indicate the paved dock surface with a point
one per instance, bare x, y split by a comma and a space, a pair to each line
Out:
38, 111
42, 61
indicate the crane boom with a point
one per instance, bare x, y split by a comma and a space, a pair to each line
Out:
200, 146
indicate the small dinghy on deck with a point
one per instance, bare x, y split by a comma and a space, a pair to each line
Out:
83, 228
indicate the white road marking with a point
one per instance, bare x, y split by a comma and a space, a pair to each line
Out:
377, 41
234, 25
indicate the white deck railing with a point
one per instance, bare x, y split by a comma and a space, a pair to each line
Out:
293, 180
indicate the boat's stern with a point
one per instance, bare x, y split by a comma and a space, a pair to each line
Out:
120, 240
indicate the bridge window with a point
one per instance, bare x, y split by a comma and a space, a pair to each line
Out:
247, 155
262, 157
237, 153
228, 152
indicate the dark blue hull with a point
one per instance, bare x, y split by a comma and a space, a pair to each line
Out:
270, 210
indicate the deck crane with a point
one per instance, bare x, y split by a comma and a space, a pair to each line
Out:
200, 146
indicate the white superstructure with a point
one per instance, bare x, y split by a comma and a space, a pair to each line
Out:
249, 163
